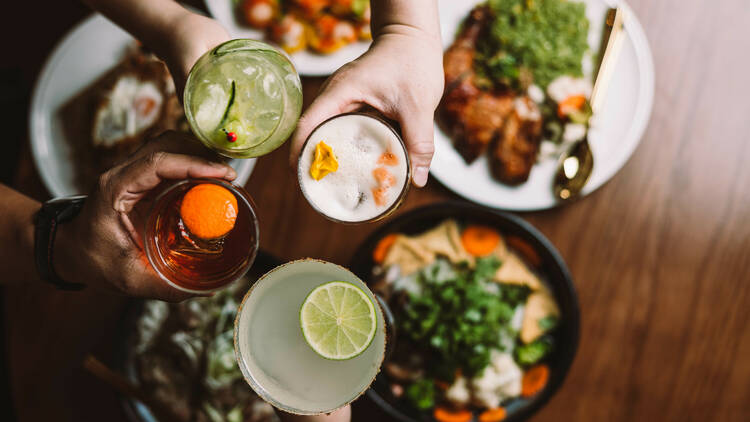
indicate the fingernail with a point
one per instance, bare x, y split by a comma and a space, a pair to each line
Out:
231, 173
420, 176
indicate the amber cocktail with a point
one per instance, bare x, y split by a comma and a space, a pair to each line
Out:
202, 234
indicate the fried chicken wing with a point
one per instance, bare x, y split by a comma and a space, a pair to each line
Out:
478, 119
514, 149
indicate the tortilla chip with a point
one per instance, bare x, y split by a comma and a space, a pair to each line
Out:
501, 251
514, 271
445, 240
539, 304
408, 254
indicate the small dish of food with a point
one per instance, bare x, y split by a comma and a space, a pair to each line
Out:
485, 311
319, 35
518, 81
182, 355
98, 98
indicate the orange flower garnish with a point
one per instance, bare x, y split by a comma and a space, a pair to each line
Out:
209, 211
384, 178
388, 158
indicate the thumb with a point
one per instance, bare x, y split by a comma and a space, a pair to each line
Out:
126, 185
418, 132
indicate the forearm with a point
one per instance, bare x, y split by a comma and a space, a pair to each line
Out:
148, 20
17, 236
408, 17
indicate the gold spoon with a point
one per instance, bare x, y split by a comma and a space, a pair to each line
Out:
576, 164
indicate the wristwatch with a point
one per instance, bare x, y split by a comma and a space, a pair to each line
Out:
46, 220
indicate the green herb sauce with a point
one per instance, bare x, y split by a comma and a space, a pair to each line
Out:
533, 41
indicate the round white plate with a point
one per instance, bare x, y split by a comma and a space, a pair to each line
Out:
306, 62
88, 51
616, 133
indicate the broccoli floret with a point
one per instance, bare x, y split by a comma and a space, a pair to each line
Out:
529, 354
421, 394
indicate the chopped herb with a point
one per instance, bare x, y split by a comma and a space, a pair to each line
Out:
529, 354
547, 38
549, 322
421, 394
457, 321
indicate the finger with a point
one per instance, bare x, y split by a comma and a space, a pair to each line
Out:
179, 143
418, 132
131, 182
150, 286
332, 100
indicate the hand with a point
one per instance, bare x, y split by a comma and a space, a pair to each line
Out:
402, 77
189, 38
101, 246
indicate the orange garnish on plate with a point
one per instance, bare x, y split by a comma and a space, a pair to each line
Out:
570, 104
534, 380
443, 414
209, 211
382, 248
480, 240
493, 415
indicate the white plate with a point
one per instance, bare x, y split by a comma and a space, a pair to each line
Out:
306, 62
92, 48
617, 132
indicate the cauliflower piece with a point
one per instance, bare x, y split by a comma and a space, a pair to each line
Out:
568, 86
458, 393
499, 381
511, 374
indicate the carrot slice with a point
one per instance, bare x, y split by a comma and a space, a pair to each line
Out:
480, 240
534, 380
446, 415
381, 249
574, 102
526, 250
493, 415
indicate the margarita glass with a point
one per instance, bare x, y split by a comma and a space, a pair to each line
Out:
275, 358
243, 98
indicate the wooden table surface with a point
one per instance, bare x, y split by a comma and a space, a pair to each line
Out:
660, 254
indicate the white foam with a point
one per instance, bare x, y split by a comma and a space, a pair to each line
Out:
358, 142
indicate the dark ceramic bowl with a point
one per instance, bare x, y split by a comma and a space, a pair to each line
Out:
135, 410
551, 267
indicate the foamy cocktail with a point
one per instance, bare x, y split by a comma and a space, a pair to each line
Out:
243, 98
354, 168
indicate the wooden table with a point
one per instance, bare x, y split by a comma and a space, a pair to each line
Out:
660, 254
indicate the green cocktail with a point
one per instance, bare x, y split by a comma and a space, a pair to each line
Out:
243, 98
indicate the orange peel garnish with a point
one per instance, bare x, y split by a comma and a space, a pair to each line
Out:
209, 211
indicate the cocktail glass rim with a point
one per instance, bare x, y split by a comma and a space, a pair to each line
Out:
187, 94
404, 189
239, 192
246, 372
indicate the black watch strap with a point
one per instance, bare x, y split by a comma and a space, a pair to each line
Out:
53, 213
